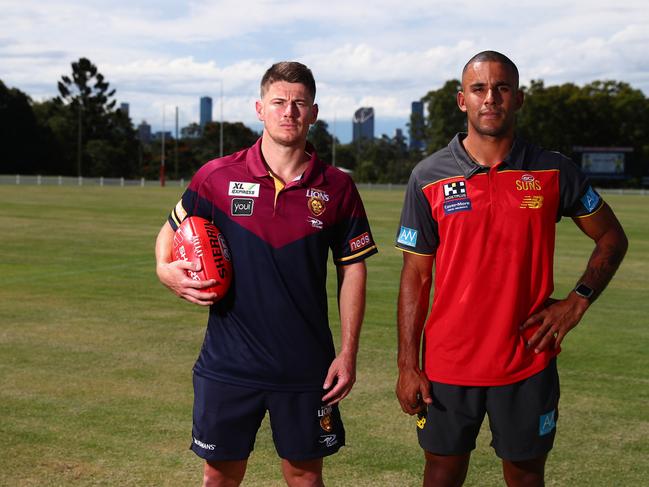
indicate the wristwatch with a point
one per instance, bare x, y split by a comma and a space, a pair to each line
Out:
584, 291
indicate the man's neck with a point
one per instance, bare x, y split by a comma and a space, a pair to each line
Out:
487, 150
285, 162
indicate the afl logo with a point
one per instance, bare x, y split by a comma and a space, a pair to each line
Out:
528, 183
316, 205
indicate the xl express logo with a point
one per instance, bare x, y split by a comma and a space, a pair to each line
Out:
238, 188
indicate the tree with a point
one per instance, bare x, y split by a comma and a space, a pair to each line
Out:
385, 160
107, 133
444, 117
601, 113
26, 145
322, 140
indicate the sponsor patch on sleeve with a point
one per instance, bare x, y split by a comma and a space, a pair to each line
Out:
357, 243
591, 199
407, 236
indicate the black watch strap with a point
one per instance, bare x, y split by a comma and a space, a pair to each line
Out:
584, 291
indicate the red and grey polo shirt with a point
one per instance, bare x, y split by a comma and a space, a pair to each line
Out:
272, 330
492, 232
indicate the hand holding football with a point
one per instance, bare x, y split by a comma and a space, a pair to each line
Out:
197, 240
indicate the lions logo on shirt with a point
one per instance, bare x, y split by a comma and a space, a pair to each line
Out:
317, 200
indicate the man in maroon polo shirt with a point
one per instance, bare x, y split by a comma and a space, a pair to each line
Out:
268, 346
483, 211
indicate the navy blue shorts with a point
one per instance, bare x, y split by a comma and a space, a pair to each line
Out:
227, 418
522, 417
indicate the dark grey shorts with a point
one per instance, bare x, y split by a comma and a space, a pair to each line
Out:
522, 417
227, 417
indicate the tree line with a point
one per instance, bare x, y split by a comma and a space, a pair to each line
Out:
81, 132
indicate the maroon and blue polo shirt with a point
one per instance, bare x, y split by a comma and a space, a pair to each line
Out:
271, 330
492, 232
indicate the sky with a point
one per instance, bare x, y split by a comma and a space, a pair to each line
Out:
384, 53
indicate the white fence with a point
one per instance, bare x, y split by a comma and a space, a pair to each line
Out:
38, 180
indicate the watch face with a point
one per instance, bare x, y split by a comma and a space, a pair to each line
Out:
584, 291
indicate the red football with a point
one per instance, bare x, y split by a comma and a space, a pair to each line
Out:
198, 240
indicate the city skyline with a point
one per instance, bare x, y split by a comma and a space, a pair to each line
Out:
385, 57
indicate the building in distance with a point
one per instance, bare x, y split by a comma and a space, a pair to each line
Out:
363, 124
205, 111
417, 126
144, 132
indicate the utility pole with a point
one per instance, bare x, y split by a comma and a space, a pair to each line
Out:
176, 148
162, 155
79, 139
333, 143
221, 133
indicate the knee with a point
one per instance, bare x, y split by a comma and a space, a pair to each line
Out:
447, 471
223, 474
529, 473
303, 474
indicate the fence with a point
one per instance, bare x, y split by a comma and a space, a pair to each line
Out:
38, 180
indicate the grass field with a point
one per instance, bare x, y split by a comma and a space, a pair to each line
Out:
96, 356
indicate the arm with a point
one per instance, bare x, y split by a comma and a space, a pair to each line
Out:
172, 274
562, 316
413, 387
351, 304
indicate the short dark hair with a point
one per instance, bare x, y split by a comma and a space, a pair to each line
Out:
492, 56
291, 72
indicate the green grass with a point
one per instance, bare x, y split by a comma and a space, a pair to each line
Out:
96, 356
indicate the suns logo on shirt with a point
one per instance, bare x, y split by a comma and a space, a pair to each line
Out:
528, 182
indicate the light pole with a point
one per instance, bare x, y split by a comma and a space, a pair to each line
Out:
333, 143
162, 155
176, 148
221, 132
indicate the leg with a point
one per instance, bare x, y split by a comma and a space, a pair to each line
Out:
523, 418
305, 473
304, 431
445, 470
224, 474
526, 473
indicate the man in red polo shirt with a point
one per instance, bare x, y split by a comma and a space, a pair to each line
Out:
483, 211
268, 346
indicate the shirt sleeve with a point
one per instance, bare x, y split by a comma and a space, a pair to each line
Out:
194, 201
353, 240
578, 197
417, 229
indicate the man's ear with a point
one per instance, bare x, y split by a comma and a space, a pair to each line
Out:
259, 108
520, 98
314, 113
460, 101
